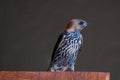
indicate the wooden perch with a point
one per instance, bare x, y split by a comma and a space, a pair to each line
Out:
28, 75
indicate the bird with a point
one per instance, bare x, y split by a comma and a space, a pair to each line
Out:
67, 47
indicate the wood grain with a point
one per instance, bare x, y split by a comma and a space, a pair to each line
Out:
27, 75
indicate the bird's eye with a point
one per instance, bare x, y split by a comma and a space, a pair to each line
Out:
81, 23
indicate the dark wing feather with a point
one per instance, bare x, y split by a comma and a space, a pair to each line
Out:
56, 45
55, 48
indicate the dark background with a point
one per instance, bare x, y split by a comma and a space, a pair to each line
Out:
29, 30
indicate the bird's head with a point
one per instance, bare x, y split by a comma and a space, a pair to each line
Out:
76, 24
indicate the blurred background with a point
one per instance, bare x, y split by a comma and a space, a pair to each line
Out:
29, 30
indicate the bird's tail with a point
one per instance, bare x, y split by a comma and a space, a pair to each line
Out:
49, 67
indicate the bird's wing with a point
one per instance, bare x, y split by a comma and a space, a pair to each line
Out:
59, 41
63, 44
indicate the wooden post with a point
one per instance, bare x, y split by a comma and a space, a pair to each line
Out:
28, 75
